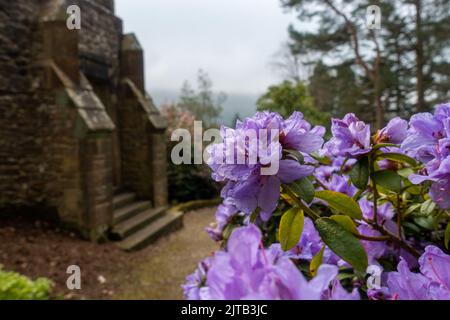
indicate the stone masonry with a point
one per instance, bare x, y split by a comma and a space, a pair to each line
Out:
76, 125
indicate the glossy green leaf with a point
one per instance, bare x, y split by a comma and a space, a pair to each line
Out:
416, 190
383, 145
398, 157
405, 172
388, 179
427, 207
295, 154
411, 226
304, 189
427, 222
322, 160
346, 222
447, 235
411, 209
291, 227
340, 202
316, 262
359, 174
343, 243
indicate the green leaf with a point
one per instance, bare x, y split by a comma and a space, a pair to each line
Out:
388, 179
254, 215
322, 160
227, 231
343, 243
340, 202
415, 190
427, 207
316, 262
383, 145
291, 227
405, 172
359, 174
427, 222
295, 154
411, 209
304, 189
346, 222
447, 235
398, 157
411, 226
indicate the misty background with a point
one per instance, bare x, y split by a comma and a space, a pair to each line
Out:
232, 40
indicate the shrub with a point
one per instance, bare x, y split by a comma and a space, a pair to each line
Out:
332, 213
186, 182
14, 286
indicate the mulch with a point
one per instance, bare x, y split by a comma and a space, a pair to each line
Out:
41, 248
38, 248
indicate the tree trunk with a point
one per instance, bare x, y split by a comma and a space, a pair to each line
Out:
379, 119
421, 107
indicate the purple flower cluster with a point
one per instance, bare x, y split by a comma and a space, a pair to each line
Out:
428, 141
310, 244
431, 283
225, 212
351, 137
244, 269
246, 186
395, 132
331, 177
248, 271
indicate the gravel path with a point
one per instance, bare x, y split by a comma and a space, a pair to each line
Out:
162, 268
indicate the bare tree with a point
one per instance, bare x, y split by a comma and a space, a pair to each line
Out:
289, 65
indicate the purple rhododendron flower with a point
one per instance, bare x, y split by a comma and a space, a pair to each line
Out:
374, 249
331, 177
440, 189
341, 183
310, 244
351, 137
325, 172
395, 132
432, 283
435, 265
194, 287
246, 186
248, 271
429, 141
385, 211
263, 192
406, 285
425, 132
224, 213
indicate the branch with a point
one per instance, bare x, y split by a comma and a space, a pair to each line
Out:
366, 238
394, 239
353, 37
313, 215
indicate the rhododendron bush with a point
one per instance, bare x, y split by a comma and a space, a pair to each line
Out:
360, 216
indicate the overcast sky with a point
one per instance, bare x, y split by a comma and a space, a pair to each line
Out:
233, 40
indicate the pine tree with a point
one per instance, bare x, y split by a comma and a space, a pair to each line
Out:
404, 67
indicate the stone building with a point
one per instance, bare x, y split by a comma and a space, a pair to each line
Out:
79, 136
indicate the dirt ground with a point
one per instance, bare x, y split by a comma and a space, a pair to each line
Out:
41, 249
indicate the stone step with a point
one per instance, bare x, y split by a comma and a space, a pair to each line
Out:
139, 221
130, 210
123, 199
169, 222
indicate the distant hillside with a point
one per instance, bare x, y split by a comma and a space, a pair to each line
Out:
244, 104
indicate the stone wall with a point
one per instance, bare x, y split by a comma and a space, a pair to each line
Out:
61, 145
20, 109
